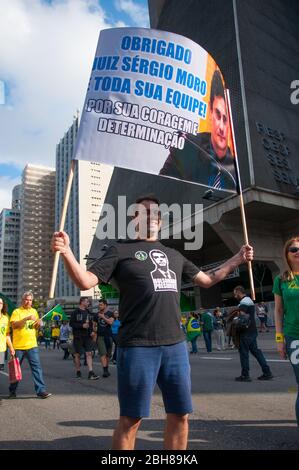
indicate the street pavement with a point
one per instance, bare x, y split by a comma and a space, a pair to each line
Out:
82, 414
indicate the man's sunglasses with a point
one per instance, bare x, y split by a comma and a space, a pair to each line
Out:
293, 249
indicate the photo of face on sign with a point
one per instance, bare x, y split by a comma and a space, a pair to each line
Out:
207, 157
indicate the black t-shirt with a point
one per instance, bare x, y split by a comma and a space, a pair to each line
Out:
78, 317
148, 276
104, 329
246, 305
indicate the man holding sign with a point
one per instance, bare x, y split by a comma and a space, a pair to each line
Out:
151, 343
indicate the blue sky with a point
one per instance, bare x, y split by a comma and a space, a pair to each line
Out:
41, 85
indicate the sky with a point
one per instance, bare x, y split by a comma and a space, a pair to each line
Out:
46, 53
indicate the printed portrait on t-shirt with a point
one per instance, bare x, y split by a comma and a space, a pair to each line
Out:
163, 278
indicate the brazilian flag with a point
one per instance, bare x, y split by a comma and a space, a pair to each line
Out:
56, 314
193, 329
10, 305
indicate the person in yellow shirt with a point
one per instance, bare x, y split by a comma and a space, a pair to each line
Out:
55, 335
25, 322
5, 339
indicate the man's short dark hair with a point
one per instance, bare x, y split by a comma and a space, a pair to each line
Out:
147, 197
83, 298
217, 88
103, 301
240, 289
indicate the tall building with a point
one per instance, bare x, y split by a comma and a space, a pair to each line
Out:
36, 229
16, 197
88, 193
9, 246
256, 44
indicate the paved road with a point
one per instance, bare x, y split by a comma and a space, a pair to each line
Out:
82, 414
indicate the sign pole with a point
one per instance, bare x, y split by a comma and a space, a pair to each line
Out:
243, 216
61, 227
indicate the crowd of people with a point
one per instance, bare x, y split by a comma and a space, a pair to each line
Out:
213, 326
149, 337
84, 335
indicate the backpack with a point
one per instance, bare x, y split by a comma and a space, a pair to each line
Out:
209, 322
242, 321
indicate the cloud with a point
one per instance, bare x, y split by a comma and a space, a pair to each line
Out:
46, 51
6, 186
137, 13
2, 92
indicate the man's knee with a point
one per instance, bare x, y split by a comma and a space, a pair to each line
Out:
178, 419
128, 423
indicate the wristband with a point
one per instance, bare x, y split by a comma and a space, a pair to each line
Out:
279, 337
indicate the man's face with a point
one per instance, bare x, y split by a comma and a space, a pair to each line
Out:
102, 306
160, 259
237, 295
27, 301
85, 303
219, 126
148, 219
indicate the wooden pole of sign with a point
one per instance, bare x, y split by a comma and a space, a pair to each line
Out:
243, 217
61, 226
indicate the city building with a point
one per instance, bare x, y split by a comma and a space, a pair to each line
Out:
36, 229
9, 246
88, 193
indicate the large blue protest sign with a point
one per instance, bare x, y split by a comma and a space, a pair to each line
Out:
156, 103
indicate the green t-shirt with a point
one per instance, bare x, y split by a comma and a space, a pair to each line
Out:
289, 291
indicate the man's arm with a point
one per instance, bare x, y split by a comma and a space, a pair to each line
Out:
83, 279
19, 324
212, 277
109, 320
37, 324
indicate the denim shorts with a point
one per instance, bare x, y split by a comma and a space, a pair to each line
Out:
139, 368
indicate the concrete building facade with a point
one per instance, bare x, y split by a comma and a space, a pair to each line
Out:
88, 193
36, 229
9, 246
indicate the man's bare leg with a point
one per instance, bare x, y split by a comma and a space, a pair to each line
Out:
176, 432
77, 362
124, 435
89, 361
104, 360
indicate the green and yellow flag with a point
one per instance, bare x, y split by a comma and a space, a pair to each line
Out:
193, 329
56, 314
